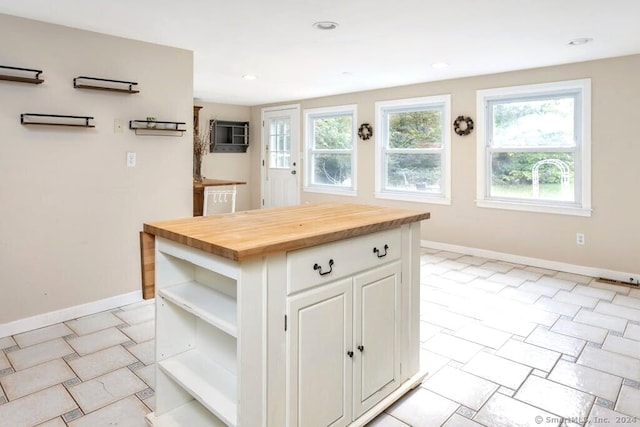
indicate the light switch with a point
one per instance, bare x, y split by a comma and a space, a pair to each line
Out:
131, 159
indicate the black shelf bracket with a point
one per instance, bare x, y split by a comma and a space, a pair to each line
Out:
156, 127
17, 78
104, 84
57, 120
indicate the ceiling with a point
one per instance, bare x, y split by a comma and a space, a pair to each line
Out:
378, 43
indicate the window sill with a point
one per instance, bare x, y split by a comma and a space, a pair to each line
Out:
413, 197
540, 208
334, 191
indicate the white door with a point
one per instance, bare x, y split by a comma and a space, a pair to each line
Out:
377, 336
320, 356
280, 156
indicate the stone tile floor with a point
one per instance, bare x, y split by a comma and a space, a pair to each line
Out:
505, 345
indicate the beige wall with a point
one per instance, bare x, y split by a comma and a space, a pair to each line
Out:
70, 209
233, 166
612, 232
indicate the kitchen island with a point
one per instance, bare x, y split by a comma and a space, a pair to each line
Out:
301, 316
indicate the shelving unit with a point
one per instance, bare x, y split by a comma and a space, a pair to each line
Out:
20, 78
156, 127
56, 120
105, 84
197, 350
229, 136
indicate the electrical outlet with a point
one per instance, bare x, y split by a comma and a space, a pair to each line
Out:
118, 126
580, 239
131, 159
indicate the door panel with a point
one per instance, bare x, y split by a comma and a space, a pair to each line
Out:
319, 338
280, 157
377, 334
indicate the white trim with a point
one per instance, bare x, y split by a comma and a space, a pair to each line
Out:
53, 317
584, 149
307, 113
533, 262
445, 197
534, 207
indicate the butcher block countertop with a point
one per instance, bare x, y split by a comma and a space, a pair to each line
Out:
242, 235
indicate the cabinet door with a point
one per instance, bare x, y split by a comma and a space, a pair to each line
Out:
377, 336
320, 368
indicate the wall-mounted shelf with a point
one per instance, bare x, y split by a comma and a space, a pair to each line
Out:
94, 83
56, 120
155, 127
19, 77
229, 137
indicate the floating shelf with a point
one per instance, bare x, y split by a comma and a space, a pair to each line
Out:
57, 120
13, 78
151, 127
104, 84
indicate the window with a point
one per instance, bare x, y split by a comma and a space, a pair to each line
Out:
330, 150
534, 148
413, 149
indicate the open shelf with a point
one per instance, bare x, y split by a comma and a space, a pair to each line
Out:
209, 383
19, 78
56, 120
211, 306
104, 84
229, 136
151, 127
191, 414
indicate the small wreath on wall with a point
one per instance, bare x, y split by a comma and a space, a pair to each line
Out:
365, 131
463, 125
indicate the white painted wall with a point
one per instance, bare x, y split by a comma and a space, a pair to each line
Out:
70, 210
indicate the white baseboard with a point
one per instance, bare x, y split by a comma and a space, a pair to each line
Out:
534, 262
53, 317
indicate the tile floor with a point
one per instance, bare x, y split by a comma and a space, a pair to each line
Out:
505, 345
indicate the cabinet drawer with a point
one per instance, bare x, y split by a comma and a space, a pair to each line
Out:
313, 266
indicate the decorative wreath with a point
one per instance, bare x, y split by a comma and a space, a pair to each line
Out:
365, 131
464, 129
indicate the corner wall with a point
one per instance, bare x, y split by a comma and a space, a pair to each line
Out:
612, 232
70, 209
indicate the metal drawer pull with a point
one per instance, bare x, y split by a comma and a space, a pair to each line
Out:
361, 348
350, 353
319, 268
377, 251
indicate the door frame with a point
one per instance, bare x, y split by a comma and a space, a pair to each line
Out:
295, 130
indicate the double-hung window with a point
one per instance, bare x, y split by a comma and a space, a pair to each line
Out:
413, 149
534, 148
330, 150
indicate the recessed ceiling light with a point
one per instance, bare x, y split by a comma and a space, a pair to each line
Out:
249, 77
580, 41
347, 73
325, 25
439, 65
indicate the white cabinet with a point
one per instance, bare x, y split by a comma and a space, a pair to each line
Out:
343, 348
327, 335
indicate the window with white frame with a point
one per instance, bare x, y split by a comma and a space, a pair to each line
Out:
413, 146
330, 150
534, 147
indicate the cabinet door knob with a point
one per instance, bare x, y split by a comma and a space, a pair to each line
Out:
350, 353
318, 267
361, 348
377, 251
